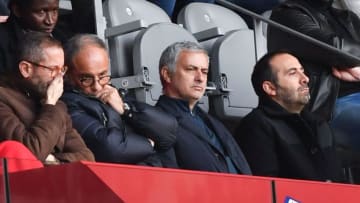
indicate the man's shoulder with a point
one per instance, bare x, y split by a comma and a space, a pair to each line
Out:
255, 115
8, 91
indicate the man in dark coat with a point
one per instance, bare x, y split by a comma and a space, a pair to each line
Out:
338, 28
25, 16
280, 138
115, 131
203, 143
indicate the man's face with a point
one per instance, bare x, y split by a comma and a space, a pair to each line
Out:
291, 88
41, 16
41, 77
91, 63
189, 80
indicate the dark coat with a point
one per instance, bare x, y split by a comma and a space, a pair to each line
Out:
338, 28
281, 144
192, 149
113, 139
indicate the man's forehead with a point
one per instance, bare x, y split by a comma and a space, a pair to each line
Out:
283, 62
43, 3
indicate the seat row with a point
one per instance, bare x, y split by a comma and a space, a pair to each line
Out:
137, 32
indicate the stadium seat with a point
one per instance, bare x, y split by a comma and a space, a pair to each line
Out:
125, 19
260, 28
138, 32
148, 46
231, 46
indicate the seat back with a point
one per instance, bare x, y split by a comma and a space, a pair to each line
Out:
125, 19
148, 47
231, 46
233, 59
199, 17
260, 28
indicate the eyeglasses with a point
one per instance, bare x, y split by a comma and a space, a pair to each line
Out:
54, 70
87, 81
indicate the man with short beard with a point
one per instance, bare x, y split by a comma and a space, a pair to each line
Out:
280, 138
30, 110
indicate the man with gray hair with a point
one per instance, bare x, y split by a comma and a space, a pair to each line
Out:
203, 143
116, 130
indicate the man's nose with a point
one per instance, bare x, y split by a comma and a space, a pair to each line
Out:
96, 86
200, 76
304, 78
50, 18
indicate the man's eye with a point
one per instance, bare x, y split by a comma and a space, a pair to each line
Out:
41, 12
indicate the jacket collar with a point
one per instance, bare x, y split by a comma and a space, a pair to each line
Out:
275, 110
178, 107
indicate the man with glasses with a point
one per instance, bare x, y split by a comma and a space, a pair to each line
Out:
115, 131
30, 110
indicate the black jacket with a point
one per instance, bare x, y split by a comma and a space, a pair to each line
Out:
193, 149
281, 144
120, 139
338, 28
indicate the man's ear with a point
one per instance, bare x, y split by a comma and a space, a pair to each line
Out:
165, 74
25, 69
269, 88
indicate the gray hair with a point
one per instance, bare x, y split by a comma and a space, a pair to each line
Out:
77, 42
170, 55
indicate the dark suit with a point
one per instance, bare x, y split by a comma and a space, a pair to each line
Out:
194, 149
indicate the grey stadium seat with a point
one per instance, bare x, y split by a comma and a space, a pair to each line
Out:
138, 32
149, 44
231, 47
125, 19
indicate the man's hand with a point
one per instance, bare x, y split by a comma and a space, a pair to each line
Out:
110, 95
54, 90
347, 74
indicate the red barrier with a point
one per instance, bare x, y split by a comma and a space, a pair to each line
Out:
115, 183
96, 182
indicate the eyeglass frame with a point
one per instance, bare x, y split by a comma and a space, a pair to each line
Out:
52, 69
93, 80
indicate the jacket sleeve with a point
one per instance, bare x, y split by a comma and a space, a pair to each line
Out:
154, 124
73, 146
109, 143
255, 140
42, 135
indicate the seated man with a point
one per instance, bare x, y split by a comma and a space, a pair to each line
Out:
338, 28
26, 15
100, 114
279, 137
30, 110
203, 143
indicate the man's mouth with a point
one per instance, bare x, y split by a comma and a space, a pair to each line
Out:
199, 88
